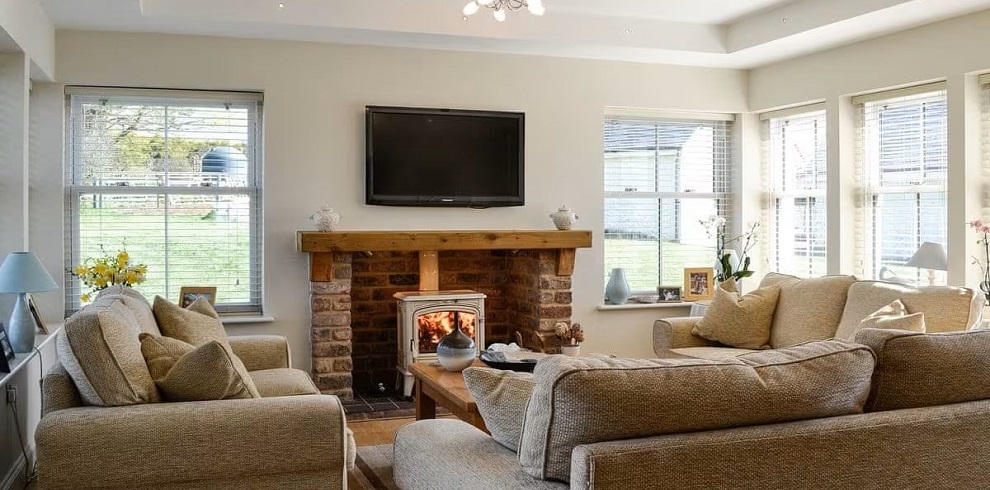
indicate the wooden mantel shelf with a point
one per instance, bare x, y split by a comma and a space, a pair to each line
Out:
322, 244
411, 241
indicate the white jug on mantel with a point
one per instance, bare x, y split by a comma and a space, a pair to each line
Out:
564, 218
326, 218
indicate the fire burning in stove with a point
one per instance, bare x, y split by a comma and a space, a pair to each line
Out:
435, 326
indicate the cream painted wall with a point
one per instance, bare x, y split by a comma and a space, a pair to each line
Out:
314, 100
25, 24
953, 51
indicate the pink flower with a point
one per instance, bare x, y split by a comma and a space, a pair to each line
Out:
977, 223
984, 229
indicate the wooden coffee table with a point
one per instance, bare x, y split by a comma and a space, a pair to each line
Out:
437, 386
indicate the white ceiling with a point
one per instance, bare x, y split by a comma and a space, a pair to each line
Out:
718, 33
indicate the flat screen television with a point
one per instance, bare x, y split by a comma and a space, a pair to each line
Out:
444, 157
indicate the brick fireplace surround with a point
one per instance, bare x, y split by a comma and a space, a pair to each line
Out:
354, 275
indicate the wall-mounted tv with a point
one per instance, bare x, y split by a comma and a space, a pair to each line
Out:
444, 157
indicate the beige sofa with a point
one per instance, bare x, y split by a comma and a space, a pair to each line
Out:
826, 307
894, 409
277, 441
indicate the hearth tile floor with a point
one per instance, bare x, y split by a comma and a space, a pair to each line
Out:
366, 407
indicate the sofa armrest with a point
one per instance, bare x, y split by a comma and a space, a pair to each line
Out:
260, 352
675, 333
59, 391
165, 445
895, 449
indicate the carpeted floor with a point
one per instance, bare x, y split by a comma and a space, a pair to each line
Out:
373, 470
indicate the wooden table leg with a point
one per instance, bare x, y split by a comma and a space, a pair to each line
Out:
426, 407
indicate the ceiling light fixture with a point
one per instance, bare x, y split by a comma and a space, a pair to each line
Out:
499, 7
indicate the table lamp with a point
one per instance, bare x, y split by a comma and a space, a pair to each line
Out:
22, 273
930, 256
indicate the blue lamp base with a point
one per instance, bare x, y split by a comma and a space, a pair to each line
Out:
22, 328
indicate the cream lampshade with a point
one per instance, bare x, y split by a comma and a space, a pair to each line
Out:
22, 273
930, 256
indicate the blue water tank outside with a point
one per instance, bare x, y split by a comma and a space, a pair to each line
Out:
225, 159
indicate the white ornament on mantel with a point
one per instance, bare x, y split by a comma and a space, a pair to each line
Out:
564, 218
326, 218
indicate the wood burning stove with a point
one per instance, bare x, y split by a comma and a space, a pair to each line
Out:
425, 317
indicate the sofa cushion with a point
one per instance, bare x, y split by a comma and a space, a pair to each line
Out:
946, 308
711, 352
99, 348
195, 324
807, 309
925, 369
208, 372
135, 302
283, 382
893, 316
161, 353
501, 397
742, 322
585, 400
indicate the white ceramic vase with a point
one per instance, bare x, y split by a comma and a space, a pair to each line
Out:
325, 218
571, 350
563, 218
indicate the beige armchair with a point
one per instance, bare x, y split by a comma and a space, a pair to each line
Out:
275, 442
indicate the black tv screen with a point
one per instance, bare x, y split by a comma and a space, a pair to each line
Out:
444, 157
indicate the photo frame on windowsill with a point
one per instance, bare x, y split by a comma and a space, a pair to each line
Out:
188, 294
699, 283
36, 313
668, 294
6, 350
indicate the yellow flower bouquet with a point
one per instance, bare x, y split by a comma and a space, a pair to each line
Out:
103, 272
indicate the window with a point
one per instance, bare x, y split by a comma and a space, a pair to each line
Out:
663, 176
984, 145
794, 158
901, 167
175, 178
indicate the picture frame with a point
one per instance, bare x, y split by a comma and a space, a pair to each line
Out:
669, 294
188, 294
7, 350
36, 313
699, 283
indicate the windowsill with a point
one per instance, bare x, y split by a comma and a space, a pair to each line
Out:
244, 320
641, 306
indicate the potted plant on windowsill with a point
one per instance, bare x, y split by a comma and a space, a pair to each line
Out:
570, 337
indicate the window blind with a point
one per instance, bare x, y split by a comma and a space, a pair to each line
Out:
662, 177
794, 159
901, 169
985, 146
173, 177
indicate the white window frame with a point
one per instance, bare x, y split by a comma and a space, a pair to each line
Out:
75, 97
872, 191
774, 155
723, 169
